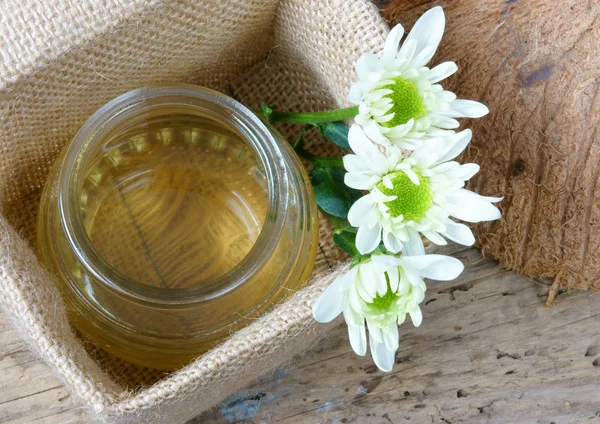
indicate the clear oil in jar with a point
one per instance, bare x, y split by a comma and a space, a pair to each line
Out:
154, 224
174, 203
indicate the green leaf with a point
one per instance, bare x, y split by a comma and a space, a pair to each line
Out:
339, 223
333, 196
267, 112
346, 241
327, 162
336, 132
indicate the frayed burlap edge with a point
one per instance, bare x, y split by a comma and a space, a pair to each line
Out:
248, 354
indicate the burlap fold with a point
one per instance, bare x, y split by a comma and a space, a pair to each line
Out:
61, 60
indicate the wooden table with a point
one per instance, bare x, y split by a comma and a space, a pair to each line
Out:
488, 351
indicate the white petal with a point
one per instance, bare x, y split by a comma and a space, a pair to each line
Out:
372, 280
464, 172
378, 113
436, 267
445, 167
348, 281
350, 315
412, 274
384, 263
382, 356
360, 181
418, 293
414, 245
356, 304
374, 133
355, 94
359, 142
471, 207
366, 64
407, 51
412, 175
378, 96
423, 57
394, 278
468, 193
361, 210
416, 316
391, 242
492, 199
392, 42
428, 32
459, 233
404, 285
435, 238
331, 302
387, 181
390, 336
354, 163
401, 130
446, 96
377, 163
383, 104
382, 286
363, 293
375, 331
467, 109
444, 122
456, 144
367, 239
441, 71
378, 280
429, 150
358, 338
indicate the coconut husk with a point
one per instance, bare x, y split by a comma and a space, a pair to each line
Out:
535, 65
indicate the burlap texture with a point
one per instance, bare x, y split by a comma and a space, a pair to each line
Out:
61, 60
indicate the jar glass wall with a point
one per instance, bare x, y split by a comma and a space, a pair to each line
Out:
173, 218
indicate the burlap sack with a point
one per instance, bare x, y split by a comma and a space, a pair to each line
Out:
63, 59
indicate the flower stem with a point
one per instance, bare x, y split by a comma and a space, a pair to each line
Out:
299, 143
314, 118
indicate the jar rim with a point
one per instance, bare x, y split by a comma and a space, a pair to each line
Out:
94, 132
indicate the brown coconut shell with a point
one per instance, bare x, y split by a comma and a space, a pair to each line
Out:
536, 65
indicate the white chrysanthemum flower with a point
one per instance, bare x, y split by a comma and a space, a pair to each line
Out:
399, 98
381, 291
412, 195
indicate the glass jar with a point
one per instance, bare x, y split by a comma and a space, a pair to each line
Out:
173, 218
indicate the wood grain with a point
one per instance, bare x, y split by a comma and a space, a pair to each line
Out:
488, 351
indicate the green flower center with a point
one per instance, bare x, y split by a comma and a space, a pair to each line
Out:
406, 102
412, 201
383, 303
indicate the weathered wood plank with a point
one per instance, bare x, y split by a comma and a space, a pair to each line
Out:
488, 351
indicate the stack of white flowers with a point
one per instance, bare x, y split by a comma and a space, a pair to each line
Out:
402, 107
401, 184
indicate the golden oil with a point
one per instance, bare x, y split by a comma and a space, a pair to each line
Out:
174, 218
174, 204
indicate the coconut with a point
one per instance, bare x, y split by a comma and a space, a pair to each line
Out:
535, 64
